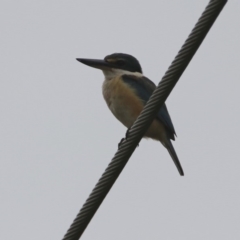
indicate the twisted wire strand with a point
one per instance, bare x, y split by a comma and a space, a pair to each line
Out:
142, 123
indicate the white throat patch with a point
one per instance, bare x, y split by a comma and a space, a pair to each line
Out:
113, 72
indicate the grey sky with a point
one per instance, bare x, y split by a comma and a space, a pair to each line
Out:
57, 135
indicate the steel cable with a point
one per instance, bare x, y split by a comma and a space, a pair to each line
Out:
138, 129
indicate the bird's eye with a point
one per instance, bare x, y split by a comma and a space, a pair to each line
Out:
120, 62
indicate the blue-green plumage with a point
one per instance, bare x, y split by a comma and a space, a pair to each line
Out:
126, 91
144, 89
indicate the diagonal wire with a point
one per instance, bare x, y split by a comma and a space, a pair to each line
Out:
149, 112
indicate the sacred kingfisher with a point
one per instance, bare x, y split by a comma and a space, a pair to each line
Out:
126, 90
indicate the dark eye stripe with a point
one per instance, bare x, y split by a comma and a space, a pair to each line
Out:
120, 62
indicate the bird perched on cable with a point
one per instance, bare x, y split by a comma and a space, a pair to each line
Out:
126, 90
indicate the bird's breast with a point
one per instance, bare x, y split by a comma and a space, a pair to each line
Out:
122, 100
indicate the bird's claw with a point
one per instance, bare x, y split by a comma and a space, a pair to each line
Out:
127, 133
126, 137
119, 144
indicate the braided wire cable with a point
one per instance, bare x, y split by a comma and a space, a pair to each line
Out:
142, 123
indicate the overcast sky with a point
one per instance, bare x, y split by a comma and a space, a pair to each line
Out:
57, 135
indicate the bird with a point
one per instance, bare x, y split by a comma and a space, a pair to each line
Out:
126, 90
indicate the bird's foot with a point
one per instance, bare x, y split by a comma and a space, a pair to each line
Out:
127, 133
126, 137
121, 142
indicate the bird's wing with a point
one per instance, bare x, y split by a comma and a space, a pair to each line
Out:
144, 88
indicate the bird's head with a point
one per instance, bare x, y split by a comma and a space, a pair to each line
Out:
115, 63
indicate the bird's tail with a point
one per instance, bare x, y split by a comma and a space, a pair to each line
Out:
174, 156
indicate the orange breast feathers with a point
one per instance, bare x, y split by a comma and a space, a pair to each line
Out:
126, 106
122, 100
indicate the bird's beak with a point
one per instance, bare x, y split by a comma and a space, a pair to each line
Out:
96, 63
